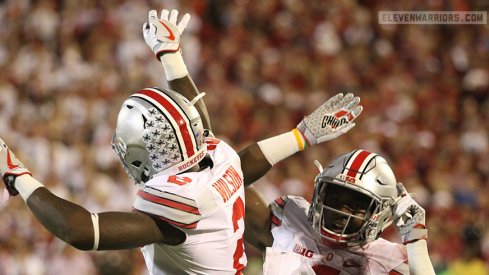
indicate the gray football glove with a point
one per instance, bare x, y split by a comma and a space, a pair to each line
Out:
409, 218
330, 120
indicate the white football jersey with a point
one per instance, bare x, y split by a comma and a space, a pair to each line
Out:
298, 249
208, 206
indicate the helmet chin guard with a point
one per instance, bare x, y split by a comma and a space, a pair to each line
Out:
158, 131
353, 199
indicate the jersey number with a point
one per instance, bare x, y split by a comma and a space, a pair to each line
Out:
179, 180
238, 213
211, 143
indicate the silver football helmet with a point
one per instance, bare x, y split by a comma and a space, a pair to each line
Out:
158, 130
353, 199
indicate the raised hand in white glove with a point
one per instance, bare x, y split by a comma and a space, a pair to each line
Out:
10, 168
409, 217
332, 119
163, 35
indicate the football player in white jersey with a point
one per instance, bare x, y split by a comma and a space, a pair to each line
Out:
188, 215
355, 198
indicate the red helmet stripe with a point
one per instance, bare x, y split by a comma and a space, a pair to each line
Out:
357, 163
177, 117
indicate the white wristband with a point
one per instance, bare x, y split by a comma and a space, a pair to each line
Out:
96, 231
282, 146
174, 65
418, 258
26, 185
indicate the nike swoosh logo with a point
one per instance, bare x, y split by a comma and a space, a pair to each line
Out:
171, 36
10, 165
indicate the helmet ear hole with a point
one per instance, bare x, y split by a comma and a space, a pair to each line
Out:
136, 163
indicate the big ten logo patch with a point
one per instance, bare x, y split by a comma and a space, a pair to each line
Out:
299, 249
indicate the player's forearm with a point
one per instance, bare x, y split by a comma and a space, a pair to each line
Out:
179, 80
418, 258
67, 221
73, 224
84, 230
253, 163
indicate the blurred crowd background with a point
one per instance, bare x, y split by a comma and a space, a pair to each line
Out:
66, 66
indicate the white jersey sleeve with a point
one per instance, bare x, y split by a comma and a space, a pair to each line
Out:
178, 210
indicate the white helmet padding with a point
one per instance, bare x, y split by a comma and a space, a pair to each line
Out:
158, 130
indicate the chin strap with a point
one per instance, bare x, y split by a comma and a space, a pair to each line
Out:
319, 166
196, 98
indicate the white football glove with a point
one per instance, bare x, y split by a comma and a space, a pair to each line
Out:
332, 119
10, 168
163, 35
409, 217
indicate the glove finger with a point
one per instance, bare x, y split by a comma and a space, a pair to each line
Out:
354, 102
3, 144
152, 16
355, 113
164, 14
344, 101
183, 22
145, 30
403, 205
152, 29
330, 103
336, 98
173, 17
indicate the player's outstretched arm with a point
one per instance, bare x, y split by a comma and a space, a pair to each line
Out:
74, 224
330, 120
162, 35
410, 222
